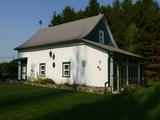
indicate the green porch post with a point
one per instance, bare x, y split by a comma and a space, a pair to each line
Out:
139, 73
111, 73
127, 76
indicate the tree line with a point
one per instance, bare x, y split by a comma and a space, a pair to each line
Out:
135, 27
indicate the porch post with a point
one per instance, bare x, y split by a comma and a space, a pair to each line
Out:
111, 73
139, 73
127, 76
118, 77
19, 70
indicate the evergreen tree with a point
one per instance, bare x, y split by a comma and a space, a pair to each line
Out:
79, 15
68, 14
131, 38
93, 8
151, 20
56, 20
128, 13
106, 10
117, 24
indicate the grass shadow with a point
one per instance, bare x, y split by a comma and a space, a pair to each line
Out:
53, 104
124, 106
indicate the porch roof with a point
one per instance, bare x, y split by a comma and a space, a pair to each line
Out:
112, 49
23, 59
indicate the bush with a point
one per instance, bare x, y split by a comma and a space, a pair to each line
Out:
8, 70
44, 81
66, 84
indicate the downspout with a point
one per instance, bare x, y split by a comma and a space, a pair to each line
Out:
105, 84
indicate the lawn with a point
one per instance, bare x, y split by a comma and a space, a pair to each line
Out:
25, 102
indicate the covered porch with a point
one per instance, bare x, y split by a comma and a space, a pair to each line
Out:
22, 68
124, 71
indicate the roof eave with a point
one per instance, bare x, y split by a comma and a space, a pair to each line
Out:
48, 45
134, 55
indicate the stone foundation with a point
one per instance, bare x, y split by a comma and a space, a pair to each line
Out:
81, 88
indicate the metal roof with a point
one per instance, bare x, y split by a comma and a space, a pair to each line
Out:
112, 49
63, 32
71, 31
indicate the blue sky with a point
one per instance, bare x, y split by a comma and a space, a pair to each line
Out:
19, 20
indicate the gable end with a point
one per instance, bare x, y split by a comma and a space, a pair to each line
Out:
101, 26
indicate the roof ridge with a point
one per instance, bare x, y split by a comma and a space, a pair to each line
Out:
100, 15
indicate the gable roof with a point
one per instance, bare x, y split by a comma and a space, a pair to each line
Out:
64, 32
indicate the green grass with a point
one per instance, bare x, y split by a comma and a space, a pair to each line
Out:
25, 102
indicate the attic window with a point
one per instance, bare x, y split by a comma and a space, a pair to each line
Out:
101, 36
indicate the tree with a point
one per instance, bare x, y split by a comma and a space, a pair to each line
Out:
68, 14
8, 70
56, 19
79, 15
149, 23
93, 8
106, 10
128, 13
117, 23
131, 38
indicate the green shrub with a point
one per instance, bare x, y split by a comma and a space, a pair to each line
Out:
44, 81
48, 80
66, 84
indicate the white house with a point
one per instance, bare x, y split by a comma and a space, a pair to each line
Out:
82, 52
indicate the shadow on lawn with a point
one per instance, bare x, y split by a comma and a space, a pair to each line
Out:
23, 99
125, 106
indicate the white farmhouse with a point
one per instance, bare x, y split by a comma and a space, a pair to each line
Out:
80, 52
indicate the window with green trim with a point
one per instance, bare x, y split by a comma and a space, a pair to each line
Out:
66, 69
42, 69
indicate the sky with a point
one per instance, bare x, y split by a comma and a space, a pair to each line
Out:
19, 20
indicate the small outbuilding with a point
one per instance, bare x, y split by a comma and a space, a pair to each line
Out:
81, 52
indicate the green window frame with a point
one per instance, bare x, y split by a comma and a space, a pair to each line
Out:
66, 69
42, 69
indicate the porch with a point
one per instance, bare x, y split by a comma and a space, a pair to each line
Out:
124, 71
22, 68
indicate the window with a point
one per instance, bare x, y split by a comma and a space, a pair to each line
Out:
101, 36
133, 73
66, 69
42, 69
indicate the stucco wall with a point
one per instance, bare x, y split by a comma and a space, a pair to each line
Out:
95, 72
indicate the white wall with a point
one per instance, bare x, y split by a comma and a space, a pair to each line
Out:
89, 75
95, 72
